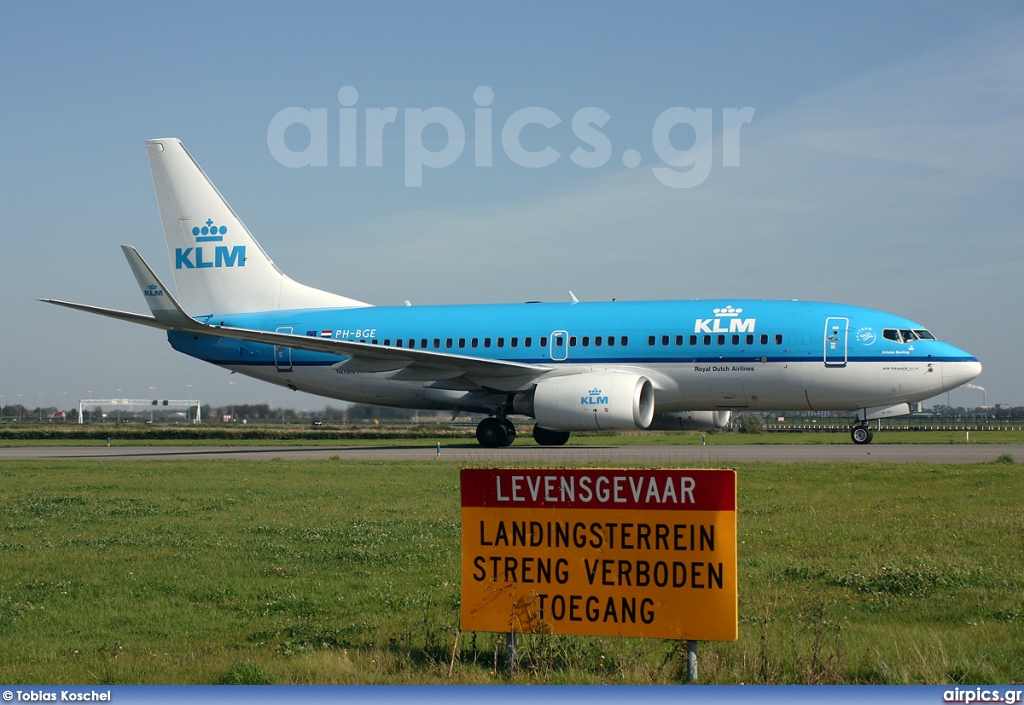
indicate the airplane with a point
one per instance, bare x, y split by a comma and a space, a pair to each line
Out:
572, 366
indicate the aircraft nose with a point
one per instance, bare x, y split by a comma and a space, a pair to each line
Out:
960, 372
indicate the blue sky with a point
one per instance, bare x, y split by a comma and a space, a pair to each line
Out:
882, 165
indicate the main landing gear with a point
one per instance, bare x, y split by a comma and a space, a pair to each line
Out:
497, 432
494, 432
548, 437
861, 434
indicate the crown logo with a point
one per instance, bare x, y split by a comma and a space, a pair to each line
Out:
594, 392
728, 311
209, 232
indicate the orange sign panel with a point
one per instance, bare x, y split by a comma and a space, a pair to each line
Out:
600, 552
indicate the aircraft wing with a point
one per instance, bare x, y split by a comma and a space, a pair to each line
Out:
409, 364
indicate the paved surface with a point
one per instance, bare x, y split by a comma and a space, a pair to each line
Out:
701, 456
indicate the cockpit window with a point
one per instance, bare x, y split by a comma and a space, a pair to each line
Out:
906, 336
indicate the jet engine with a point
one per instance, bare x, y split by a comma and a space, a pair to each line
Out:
593, 401
690, 420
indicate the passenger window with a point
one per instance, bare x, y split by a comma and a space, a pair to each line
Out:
437, 343
572, 341
679, 340
487, 342
764, 339
462, 342
693, 340
735, 339
448, 342
750, 338
721, 339
664, 340
527, 342
558, 341
412, 342
650, 340
501, 342
543, 341
474, 342
778, 338
707, 340
586, 341
597, 340
624, 340
387, 341
514, 342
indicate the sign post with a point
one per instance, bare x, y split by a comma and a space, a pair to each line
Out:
600, 552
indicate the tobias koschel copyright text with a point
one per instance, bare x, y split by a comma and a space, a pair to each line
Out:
64, 696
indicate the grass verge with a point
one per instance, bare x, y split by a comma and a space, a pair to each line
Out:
332, 572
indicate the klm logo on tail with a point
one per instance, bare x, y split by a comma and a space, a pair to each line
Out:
223, 256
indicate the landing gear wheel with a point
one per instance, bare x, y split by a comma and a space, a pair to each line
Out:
492, 433
510, 432
548, 437
862, 435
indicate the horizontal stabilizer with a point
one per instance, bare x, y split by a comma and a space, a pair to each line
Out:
110, 313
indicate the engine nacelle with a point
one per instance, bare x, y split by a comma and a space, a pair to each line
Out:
691, 420
593, 401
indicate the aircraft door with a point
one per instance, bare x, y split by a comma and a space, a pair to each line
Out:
559, 345
283, 355
836, 335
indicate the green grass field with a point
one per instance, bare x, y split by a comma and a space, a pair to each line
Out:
453, 436
336, 572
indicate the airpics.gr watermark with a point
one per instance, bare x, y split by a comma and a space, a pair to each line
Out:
679, 168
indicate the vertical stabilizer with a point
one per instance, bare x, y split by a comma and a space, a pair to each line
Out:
218, 266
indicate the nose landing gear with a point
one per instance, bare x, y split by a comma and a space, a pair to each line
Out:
861, 434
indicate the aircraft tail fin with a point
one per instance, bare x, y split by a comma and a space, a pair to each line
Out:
218, 266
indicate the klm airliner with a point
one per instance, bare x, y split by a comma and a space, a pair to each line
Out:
573, 366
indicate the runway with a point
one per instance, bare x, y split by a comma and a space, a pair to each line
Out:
651, 456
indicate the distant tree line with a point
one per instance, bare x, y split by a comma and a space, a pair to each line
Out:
363, 413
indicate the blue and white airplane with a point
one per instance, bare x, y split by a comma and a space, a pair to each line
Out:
570, 366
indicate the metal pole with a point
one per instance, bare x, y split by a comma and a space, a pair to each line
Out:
510, 651
691, 661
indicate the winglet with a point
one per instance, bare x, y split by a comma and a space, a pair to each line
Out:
163, 305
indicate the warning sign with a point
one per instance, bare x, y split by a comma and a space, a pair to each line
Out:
600, 552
